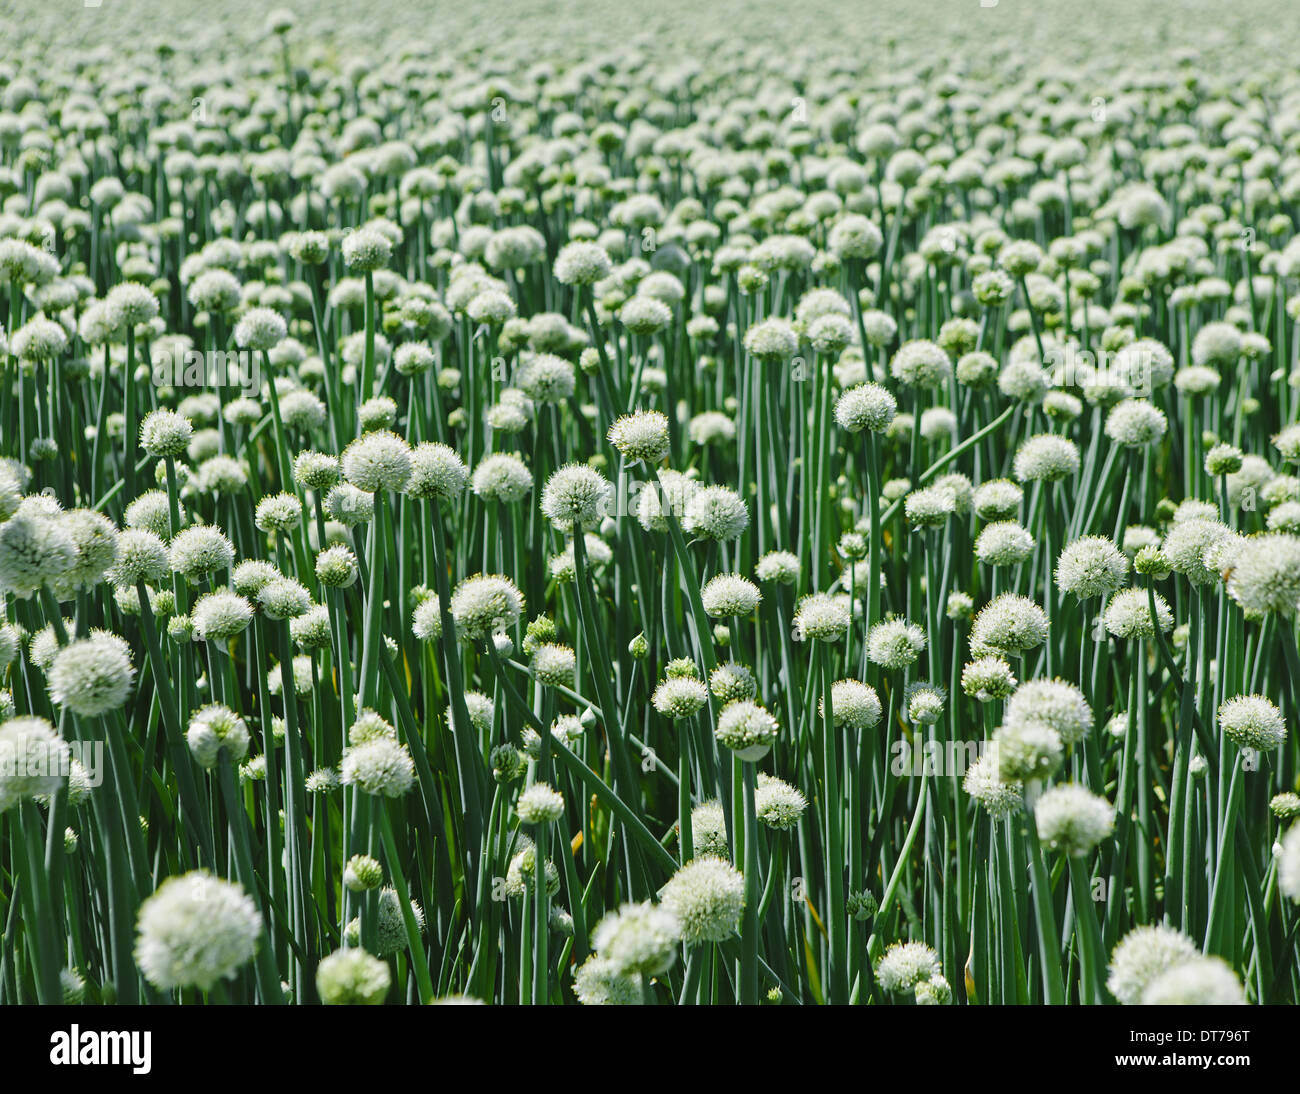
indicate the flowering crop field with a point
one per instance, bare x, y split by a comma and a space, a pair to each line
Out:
720, 504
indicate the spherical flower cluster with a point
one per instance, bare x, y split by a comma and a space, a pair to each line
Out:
1253, 721
437, 471
1003, 543
1135, 423
709, 830
581, 263
747, 729
486, 604
195, 930
780, 567
729, 595
278, 513
1128, 615
220, 616
336, 567
920, 363
707, 896
777, 804
33, 550
598, 982
717, 513
502, 477
679, 697
377, 461
141, 556
1046, 458
772, 340
638, 939
352, 977
1073, 820
866, 407
540, 804
1008, 625
982, 782
854, 236
165, 433
1024, 751
1091, 566
366, 249
576, 496
997, 500
822, 617
201, 551
732, 681
213, 728
1265, 574
1185, 547
853, 704
924, 703
91, 676
988, 678
894, 644
380, 766
547, 378
1217, 345
904, 965
260, 329
1142, 956
930, 506
641, 437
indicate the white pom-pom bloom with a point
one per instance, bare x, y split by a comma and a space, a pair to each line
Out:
1266, 574
377, 461
894, 644
638, 939
486, 604
853, 704
213, 728
437, 471
1091, 566
905, 965
1008, 625
727, 595
1128, 615
381, 766
1143, 955
680, 696
1046, 458
1073, 820
747, 729
195, 930
1135, 423
576, 496
982, 783
1025, 751
867, 406
92, 676
707, 896
1054, 703
717, 513
920, 363
822, 617
1200, 982
1253, 721
540, 804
